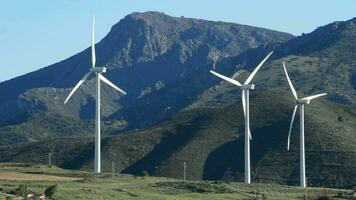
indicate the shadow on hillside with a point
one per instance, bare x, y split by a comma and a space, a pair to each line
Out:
231, 155
86, 110
176, 91
171, 142
81, 156
228, 156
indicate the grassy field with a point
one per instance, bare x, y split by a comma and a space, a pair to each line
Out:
85, 185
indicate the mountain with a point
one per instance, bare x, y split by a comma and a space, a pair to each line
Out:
144, 52
322, 60
211, 140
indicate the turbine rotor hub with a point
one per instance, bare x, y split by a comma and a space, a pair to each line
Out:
98, 69
248, 86
302, 101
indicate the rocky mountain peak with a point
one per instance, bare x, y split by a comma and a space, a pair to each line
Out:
140, 51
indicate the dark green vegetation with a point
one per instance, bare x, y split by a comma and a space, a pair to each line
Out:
210, 140
38, 125
84, 185
185, 113
51, 191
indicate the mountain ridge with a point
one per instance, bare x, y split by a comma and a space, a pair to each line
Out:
131, 49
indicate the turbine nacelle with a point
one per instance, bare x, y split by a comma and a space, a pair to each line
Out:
302, 101
247, 86
98, 70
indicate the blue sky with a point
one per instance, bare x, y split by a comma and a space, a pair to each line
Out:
37, 33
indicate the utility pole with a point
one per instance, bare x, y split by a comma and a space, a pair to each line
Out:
184, 170
156, 170
113, 168
261, 189
49, 159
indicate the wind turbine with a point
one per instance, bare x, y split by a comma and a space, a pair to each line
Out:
245, 104
300, 102
99, 77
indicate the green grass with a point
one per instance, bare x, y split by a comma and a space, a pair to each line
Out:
128, 187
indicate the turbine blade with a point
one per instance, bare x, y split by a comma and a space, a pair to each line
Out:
249, 79
111, 84
314, 96
93, 56
290, 83
235, 82
291, 125
85, 77
243, 102
249, 133
244, 108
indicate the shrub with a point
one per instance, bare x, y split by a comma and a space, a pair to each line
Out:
21, 190
264, 197
145, 173
87, 178
49, 192
323, 198
340, 119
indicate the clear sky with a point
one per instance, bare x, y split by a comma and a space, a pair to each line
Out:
37, 33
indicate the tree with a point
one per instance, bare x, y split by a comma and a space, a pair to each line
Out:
49, 192
228, 175
21, 190
323, 198
145, 173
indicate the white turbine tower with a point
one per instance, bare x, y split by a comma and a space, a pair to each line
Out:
99, 77
245, 104
299, 102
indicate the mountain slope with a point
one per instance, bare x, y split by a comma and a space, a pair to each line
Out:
36, 126
210, 140
143, 53
320, 61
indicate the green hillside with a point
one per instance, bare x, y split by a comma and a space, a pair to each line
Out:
210, 140
35, 126
39, 125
